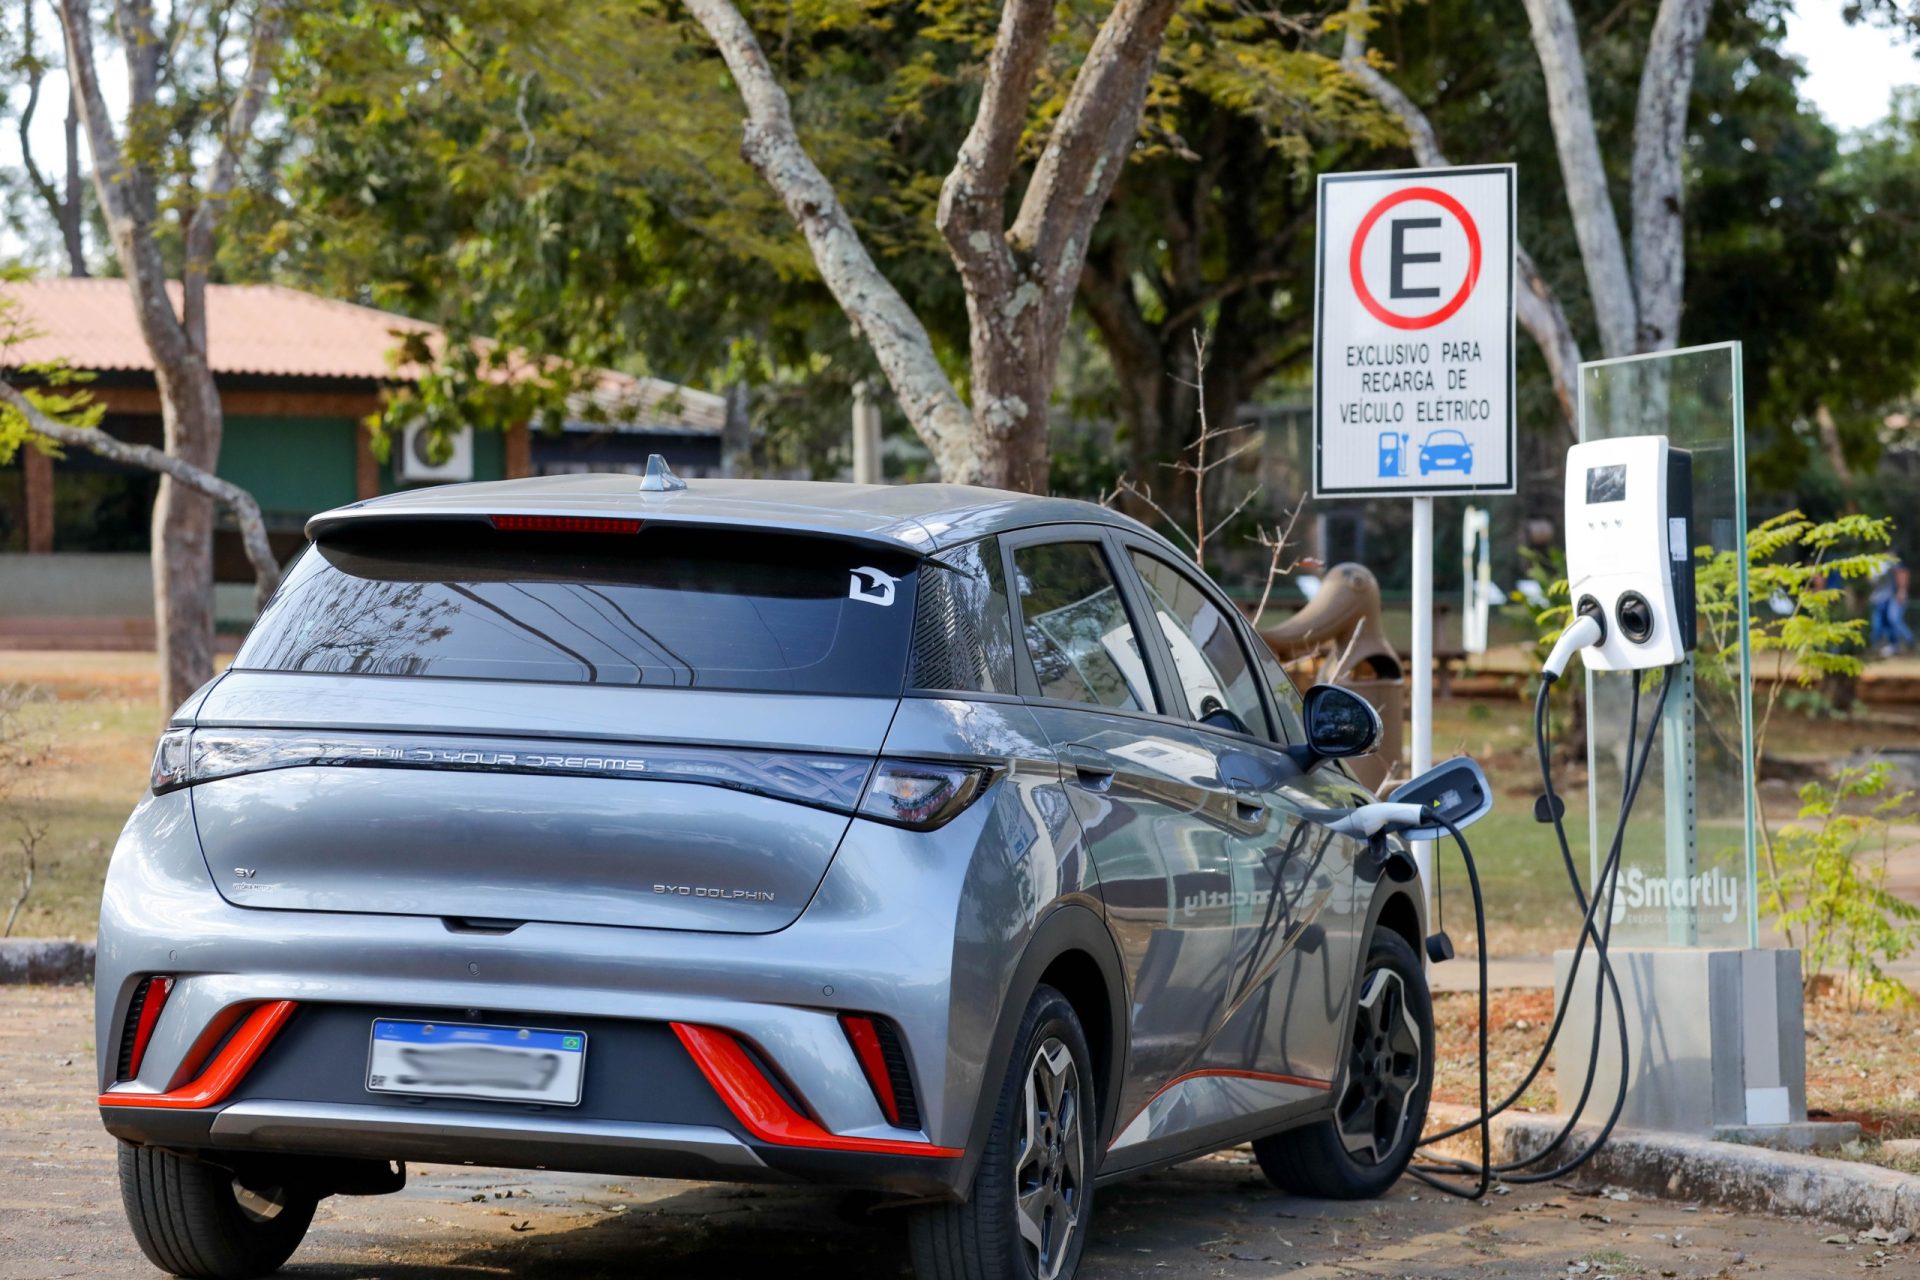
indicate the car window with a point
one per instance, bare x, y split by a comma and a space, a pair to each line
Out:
1220, 680
692, 608
1286, 698
962, 631
1075, 625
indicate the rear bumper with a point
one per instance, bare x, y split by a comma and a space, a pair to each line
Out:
779, 994
450, 1136
622, 1149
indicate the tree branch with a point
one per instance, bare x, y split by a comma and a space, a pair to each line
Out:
1090, 143
246, 512
35, 74
973, 199
1570, 108
126, 195
1659, 136
217, 182
1536, 306
899, 341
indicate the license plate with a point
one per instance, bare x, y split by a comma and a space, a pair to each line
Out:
461, 1060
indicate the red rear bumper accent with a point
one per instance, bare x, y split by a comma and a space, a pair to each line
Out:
765, 1113
219, 1076
157, 991
866, 1046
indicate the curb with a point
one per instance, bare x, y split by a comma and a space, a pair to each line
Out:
45, 960
1723, 1174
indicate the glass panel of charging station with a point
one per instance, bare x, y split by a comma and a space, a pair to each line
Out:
1687, 869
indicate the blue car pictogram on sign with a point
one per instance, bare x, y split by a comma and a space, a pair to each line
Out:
1446, 450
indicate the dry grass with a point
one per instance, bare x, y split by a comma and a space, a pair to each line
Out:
102, 716
105, 717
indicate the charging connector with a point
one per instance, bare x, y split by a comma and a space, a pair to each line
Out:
1589, 628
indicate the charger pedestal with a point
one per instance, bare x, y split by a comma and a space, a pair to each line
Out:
1717, 1045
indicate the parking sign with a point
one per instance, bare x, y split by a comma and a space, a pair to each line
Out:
1413, 333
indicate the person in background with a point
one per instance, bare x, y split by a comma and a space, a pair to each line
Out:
1889, 633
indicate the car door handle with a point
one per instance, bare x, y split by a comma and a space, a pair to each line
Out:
1092, 777
1091, 768
1249, 808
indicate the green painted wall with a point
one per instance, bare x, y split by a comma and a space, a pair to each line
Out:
298, 466
293, 465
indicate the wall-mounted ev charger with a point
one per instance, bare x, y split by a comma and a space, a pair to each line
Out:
1629, 549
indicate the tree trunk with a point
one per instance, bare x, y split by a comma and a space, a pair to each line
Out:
1570, 109
73, 209
1536, 307
1020, 280
1659, 135
189, 401
1012, 389
183, 535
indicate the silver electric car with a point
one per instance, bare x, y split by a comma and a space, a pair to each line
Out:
956, 844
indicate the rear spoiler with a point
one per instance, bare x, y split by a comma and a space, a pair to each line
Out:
374, 518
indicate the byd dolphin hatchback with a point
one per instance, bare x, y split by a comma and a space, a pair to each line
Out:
957, 844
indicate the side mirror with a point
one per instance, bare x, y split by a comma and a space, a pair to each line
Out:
1455, 788
1339, 723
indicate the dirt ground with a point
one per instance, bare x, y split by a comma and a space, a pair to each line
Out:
1859, 1063
60, 1215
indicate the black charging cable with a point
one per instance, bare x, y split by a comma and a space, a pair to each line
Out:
1638, 756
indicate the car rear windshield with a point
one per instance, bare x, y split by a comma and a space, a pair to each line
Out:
683, 607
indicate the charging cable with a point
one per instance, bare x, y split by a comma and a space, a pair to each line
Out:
1526, 1170
1372, 821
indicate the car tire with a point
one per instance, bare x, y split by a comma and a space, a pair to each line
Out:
1032, 1198
1364, 1146
194, 1219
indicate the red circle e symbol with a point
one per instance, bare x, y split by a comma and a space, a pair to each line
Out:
1453, 304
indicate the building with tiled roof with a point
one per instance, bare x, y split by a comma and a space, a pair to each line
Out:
298, 376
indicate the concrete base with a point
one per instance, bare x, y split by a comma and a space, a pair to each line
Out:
1812, 1135
1716, 1038
1721, 1174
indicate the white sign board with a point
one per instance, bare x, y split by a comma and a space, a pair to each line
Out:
1413, 333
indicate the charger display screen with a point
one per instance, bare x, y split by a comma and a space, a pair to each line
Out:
1607, 484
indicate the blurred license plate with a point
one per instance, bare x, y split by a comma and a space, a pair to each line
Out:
461, 1060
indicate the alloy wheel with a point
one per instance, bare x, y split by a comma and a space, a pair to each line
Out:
1383, 1069
1049, 1163
259, 1206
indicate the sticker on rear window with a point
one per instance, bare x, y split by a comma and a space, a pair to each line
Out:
872, 586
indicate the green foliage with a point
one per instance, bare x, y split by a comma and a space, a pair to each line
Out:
565, 179
1828, 882
1549, 568
1836, 301
1814, 880
56, 389
1804, 562
1566, 705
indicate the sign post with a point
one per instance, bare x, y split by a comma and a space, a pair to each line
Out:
1413, 361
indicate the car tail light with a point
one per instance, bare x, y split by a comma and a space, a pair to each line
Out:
876, 1043
922, 795
564, 524
187, 757
143, 1014
172, 761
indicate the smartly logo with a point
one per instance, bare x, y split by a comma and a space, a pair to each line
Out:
1655, 896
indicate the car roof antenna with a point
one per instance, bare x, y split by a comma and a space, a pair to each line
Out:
660, 477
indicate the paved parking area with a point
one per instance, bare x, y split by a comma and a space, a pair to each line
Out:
60, 1215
